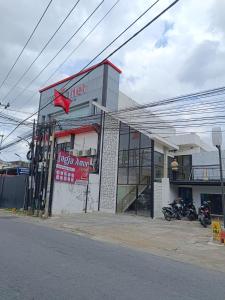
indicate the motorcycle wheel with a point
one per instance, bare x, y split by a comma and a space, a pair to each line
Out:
167, 216
203, 223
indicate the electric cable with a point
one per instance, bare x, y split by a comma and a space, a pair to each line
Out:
112, 53
24, 47
42, 50
60, 50
148, 24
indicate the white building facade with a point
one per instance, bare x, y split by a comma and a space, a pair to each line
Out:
129, 159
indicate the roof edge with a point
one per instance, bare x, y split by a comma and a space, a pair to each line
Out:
106, 62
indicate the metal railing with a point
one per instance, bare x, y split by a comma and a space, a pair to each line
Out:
197, 173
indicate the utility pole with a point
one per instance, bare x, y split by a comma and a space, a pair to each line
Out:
31, 168
46, 214
217, 142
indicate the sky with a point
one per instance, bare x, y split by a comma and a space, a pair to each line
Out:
182, 52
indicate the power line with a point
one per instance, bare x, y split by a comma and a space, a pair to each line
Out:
112, 53
76, 48
92, 60
24, 47
57, 53
42, 50
82, 41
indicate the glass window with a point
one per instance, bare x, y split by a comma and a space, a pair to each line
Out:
158, 172
145, 141
145, 157
123, 158
134, 157
122, 176
134, 139
145, 175
134, 175
159, 165
124, 129
124, 141
158, 158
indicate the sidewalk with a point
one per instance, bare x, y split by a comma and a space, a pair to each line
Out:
180, 240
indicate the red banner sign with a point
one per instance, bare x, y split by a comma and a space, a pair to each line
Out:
71, 169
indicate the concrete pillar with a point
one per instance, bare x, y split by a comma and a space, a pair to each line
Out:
165, 172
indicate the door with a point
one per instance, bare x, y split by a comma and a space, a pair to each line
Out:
186, 194
215, 201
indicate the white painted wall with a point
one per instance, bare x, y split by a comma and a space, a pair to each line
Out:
143, 115
85, 141
70, 198
159, 147
64, 139
198, 190
161, 196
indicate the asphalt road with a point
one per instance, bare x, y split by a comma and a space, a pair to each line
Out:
37, 262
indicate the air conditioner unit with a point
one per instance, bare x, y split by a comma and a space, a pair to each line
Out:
76, 152
86, 152
80, 153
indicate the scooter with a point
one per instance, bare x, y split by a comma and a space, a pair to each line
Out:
172, 212
204, 216
190, 212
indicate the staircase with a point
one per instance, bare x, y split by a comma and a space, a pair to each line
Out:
130, 197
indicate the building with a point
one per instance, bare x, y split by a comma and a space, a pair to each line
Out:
129, 160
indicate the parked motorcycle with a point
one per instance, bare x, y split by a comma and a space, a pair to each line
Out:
204, 216
172, 212
189, 211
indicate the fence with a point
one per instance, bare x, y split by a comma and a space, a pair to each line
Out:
13, 190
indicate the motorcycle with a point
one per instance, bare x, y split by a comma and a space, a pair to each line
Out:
172, 212
204, 216
189, 211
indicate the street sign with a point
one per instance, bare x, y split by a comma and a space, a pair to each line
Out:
22, 171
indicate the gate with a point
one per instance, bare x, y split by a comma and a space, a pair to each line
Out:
13, 191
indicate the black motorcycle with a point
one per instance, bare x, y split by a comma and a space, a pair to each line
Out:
173, 211
189, 211
204, 216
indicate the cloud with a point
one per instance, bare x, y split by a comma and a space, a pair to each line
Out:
180, 53
204, 64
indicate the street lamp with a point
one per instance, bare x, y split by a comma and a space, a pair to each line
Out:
217, 142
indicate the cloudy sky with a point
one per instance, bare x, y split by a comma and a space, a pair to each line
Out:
184, 51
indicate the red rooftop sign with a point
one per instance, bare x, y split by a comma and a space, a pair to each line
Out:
71, 169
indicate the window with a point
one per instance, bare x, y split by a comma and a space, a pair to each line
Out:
134, 139
134, 157
134, 192
145, 175
124, 142
64, 146
215, 201
145, 157
123, 158
159, 165
134, 175
145, 141
122, 175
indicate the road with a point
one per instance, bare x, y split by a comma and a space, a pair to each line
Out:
38, 262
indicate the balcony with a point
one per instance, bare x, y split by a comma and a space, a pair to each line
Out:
197, 175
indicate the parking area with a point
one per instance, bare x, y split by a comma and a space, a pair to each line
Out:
178, 239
